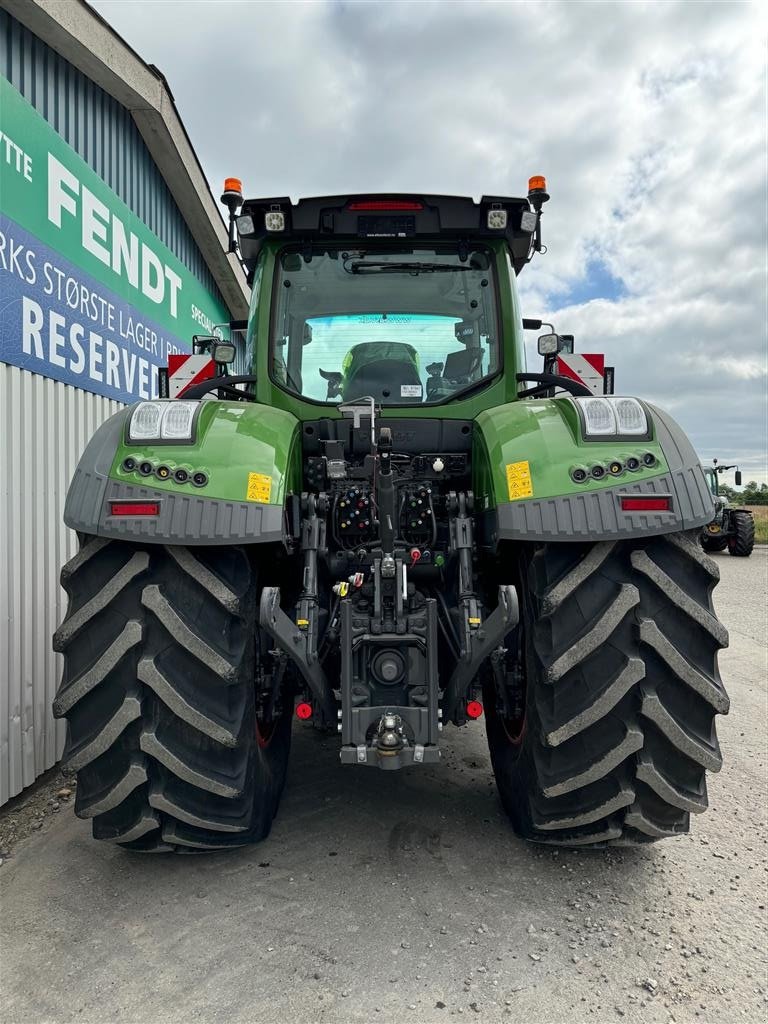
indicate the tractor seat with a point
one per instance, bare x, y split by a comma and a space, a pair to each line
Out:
382, 370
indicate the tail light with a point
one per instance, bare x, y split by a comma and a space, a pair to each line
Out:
393, 205
646, 503
134, 508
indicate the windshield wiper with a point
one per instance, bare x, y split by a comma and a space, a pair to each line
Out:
359, 266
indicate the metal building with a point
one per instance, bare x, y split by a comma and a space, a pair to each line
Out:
112, 254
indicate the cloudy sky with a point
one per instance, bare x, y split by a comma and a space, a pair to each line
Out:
648, 119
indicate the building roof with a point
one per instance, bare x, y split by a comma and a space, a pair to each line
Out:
80, 34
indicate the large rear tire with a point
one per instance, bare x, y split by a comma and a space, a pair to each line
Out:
713, 543
742, 539
622, 686
158, 690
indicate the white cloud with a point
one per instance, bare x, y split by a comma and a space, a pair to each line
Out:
648, 120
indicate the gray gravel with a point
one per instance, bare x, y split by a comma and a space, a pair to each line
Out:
382, 896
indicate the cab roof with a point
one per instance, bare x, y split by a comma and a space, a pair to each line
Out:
386, 218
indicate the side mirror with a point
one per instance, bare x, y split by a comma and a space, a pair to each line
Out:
223, 352
566, 343
737, 477
549, 344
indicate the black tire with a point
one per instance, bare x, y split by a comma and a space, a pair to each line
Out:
158, 690
714, 543
622, 687
742, 539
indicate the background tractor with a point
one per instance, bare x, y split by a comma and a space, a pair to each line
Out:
732, 528
383, 524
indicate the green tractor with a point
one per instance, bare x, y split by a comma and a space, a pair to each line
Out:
386, 526
732, 528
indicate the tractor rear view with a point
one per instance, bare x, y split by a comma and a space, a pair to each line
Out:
388, 527
731, 528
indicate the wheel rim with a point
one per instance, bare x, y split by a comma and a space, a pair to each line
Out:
515, 725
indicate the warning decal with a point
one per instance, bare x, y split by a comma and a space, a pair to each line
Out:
259, 487
519, 480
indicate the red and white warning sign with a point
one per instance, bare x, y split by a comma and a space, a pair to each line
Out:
186, 370
586, 368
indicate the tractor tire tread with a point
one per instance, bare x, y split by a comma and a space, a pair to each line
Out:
623, 692
158, 691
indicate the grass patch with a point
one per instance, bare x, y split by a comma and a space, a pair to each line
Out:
761, 530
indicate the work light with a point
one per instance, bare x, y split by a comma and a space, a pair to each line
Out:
599, 418
177, 421
223, 352
611, 416
630, 416
274, 220
145, 421
245, 225
497, 219
163, 421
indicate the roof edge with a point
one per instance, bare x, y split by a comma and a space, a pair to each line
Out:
82, 36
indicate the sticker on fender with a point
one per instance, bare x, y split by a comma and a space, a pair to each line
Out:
259, 487
519, 480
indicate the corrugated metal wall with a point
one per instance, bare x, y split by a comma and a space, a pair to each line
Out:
102, 132
44, 426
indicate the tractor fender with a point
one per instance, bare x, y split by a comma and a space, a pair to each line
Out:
525, 454
249, 455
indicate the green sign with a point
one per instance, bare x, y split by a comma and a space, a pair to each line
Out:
90, 295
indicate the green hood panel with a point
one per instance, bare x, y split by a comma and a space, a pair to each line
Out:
249, 452
527, 449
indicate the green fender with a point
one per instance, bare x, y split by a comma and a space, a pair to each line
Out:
249, 454
524, 455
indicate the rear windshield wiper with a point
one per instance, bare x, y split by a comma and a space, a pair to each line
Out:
360, 266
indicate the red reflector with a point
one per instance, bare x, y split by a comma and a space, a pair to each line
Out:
474, 709
303, 711
640, 503
386, 204
134, 508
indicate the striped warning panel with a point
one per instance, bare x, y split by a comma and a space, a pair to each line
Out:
586, 368
186, 370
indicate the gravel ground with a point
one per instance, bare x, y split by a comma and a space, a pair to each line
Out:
383, 896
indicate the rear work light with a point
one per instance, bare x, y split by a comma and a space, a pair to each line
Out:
163, 421
274, 220
386, 204
646, 503
134, 508
609, 415
245, 225
497, 219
